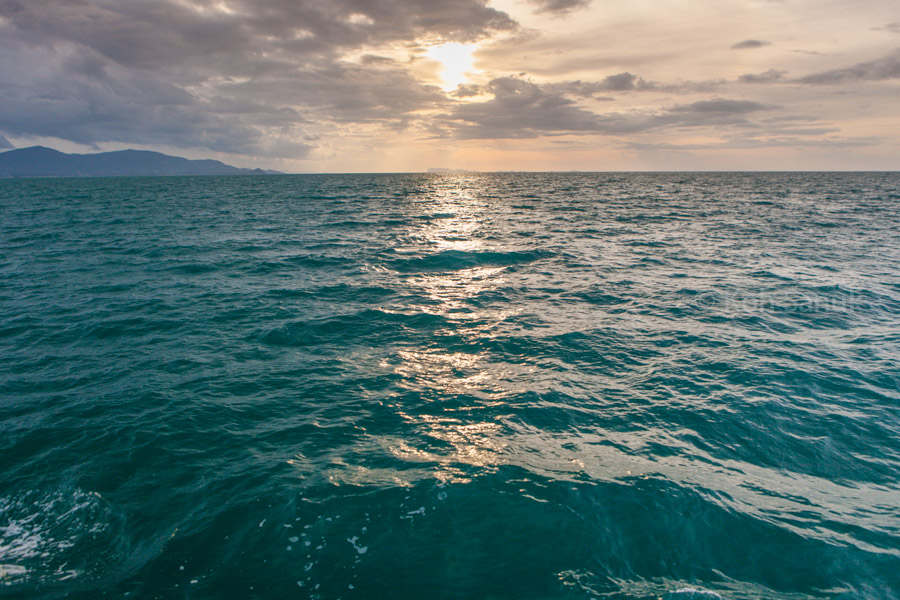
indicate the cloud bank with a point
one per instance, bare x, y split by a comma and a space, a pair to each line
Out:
886, 67
317, 80
244, 77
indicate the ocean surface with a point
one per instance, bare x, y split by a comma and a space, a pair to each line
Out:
510, 386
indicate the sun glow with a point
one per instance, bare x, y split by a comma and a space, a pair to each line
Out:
456, 60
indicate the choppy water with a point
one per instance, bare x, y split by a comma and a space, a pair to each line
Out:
446, 386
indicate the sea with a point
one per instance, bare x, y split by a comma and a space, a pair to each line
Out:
451, 386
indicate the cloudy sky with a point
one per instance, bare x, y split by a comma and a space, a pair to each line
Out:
404, 85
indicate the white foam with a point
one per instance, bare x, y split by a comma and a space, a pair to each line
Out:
692, 594
359, 549
11, 572
40, 531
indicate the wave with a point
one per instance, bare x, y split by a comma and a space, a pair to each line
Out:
455, 260
58, 539
373, 326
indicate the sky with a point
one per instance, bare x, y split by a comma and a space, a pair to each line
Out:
407, 85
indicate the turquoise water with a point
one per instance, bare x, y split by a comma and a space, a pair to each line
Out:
504, 386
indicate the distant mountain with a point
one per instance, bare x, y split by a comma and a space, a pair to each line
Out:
38, 161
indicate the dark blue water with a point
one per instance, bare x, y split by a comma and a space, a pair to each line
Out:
507, 386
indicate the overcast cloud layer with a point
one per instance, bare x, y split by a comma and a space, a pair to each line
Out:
355, 85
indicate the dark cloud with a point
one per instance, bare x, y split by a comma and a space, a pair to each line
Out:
520, 109
769, 76
748, 44
621, 82
136, 33
624, 81
577, 89
720, 106
628, 82
372, 59
523, 109
886, 67
187, 73
121, 105
891, 27
558, 6
4, 143
351, 93
467, 91
721, 113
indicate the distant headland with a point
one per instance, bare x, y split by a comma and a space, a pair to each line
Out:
38, 161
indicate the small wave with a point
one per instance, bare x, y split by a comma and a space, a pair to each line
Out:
56, 537
194, 268
455, 260
600, 298
692, 594
764, 274
313, 261
340, 292
347, 327
131, 327
348, 224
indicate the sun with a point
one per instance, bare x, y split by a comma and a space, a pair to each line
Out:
456, 60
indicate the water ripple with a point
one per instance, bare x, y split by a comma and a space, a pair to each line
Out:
679, 386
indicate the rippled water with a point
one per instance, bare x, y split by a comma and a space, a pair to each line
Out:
451, 386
